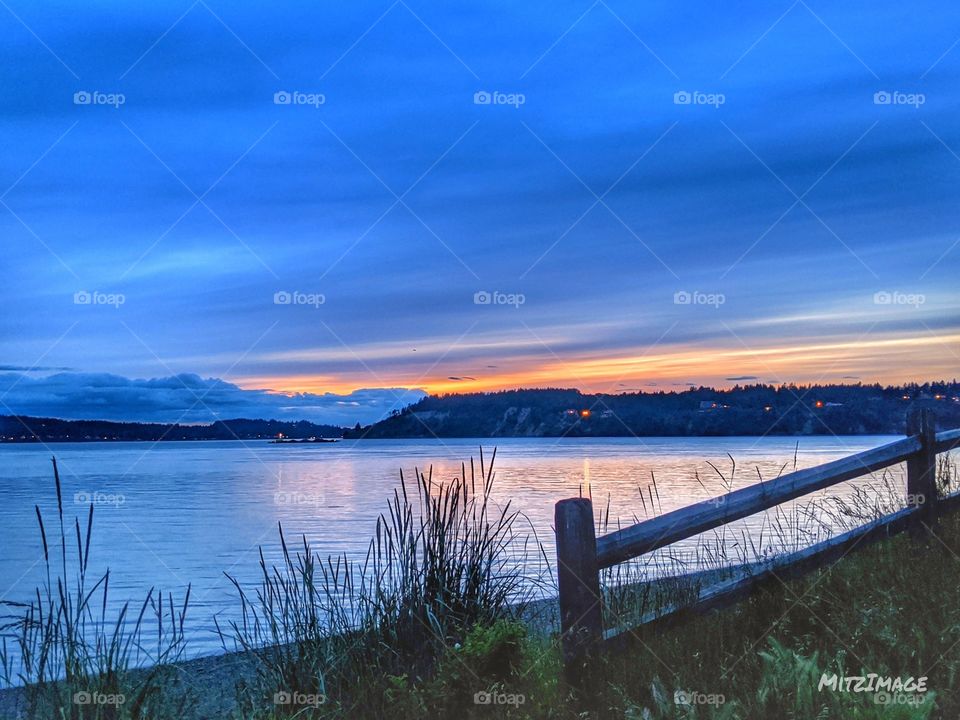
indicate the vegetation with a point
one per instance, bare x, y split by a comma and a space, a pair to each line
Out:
888, 609
429, 626
354, 636
747, 410
20, 428
77, 661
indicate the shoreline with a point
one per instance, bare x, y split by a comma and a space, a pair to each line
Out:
437, 439
210, 681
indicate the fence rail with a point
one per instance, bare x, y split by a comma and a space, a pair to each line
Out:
581, 554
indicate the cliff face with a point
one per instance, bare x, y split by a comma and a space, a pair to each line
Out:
753, 410
513, 421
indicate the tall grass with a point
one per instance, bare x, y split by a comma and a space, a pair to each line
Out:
332, 632
76, 657
642, 588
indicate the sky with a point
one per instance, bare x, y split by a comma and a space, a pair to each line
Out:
210, 209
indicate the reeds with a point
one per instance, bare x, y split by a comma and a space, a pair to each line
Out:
441, 561
76, 657
670, 577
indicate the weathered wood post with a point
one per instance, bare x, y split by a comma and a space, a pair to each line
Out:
578, 580
922, 467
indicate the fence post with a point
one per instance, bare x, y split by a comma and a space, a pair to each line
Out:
578, 581
922, 467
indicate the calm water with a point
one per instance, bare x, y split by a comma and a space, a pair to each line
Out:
176, 513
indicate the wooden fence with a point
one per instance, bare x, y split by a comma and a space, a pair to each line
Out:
581, 555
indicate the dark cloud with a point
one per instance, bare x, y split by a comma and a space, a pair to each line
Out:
742, 378
186, 398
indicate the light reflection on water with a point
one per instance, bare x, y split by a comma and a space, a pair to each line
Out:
177, 512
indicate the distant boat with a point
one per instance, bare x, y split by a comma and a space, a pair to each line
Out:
286, 441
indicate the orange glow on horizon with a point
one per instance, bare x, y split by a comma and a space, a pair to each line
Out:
885, 360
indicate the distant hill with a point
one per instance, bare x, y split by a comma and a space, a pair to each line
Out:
15, 428
749, 410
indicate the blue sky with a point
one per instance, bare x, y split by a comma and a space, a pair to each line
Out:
788, 224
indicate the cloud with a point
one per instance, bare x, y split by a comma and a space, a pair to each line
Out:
742, 378
186, 398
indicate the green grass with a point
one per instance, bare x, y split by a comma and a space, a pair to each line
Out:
889, 609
